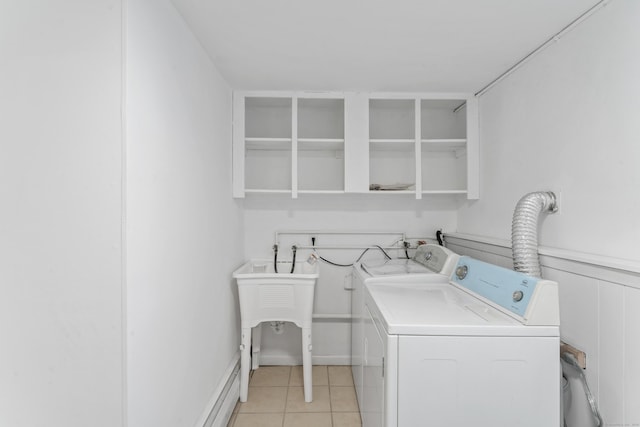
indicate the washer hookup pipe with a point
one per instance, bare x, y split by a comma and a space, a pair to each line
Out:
294, 248
275, 258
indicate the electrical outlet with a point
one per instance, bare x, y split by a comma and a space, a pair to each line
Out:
348, 282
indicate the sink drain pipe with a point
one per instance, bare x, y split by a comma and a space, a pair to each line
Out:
524, 230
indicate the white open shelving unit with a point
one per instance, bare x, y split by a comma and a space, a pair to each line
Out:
286, 143
333, 143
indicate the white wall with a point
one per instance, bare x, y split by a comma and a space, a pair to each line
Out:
184, 232
266, 214
567, 121
61, 360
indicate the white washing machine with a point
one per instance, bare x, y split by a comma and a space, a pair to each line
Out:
430, 263
479, 350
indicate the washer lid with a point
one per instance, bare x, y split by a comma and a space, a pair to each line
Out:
442, 309
394, 267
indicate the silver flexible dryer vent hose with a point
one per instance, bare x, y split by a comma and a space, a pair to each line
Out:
524, 230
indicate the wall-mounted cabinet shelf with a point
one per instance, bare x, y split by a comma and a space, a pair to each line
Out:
283, 144
320, 144
333, 143
423, 140
444, 144
312, 144
320, 192
392, 145
266, 191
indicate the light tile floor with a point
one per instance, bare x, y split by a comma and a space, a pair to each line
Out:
276, 399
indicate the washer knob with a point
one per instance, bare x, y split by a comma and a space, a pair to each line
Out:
517, 296
461, 272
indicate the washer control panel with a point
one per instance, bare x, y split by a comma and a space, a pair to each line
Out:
435, 258
516, 293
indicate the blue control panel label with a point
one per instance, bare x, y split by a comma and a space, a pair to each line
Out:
507, 288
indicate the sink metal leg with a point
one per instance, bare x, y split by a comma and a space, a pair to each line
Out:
256, 338
306, 364
245, 361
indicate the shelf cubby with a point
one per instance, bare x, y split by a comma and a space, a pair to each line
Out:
391, 142
443, 170
443, 145
391, 119
440, 119
268, 144
268, 169
320, 143
267, 117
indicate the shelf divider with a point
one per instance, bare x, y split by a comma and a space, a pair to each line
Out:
261, 139
294, 147
392, 141
265, 190
444, 144
321, 191
444, 191
320, 144
268, 144
418, 146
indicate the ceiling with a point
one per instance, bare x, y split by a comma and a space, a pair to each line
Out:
377, 45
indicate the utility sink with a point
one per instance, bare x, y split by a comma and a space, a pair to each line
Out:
257, 268
267, 296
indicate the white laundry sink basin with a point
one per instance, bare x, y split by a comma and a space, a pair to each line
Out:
269, 296
259, 268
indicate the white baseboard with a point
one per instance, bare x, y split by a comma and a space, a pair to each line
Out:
221, 419
288, 360
220, 407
